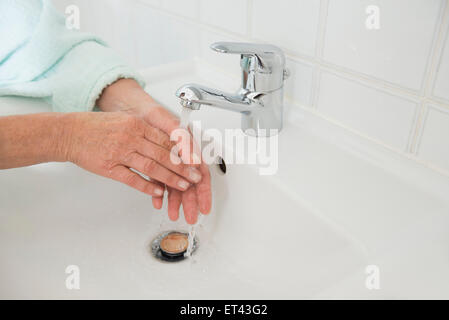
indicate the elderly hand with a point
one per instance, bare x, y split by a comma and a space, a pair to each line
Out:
109, 144
126, 95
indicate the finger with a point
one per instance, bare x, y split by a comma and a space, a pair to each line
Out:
174, 202
169, 160
132, 179
155, 171
158, 137
190, 205
158, 201
203, 190
161, 118
188, 149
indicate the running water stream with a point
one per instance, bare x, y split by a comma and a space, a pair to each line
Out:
185, 117
184, 124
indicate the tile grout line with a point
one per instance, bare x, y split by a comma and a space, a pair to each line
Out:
321, 35
438, 101
429, 78
249, 18
437, 49
419, 129
418, 123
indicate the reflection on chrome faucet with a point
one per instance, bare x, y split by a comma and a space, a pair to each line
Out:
260, 98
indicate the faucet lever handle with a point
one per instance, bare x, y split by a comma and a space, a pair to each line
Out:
268, 57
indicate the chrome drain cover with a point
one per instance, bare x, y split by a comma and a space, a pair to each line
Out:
171, 246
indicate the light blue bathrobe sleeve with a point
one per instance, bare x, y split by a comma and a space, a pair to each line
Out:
40, 57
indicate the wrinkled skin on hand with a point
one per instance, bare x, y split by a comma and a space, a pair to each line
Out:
126, 95
109, 144
197, 198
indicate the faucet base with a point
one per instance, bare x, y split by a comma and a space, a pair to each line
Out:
255, 126
265, 120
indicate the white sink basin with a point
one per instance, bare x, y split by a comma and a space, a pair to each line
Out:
308, 231
57, 215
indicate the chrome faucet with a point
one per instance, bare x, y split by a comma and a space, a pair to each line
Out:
260, 98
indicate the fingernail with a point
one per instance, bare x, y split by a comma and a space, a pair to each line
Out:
194, 175
183, 184
159, 192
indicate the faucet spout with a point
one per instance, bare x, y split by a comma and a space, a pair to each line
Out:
192, 96
260, 97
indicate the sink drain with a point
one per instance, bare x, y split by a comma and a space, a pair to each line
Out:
221, 165
171, 246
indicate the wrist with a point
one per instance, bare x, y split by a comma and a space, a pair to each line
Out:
64, 137
125, 95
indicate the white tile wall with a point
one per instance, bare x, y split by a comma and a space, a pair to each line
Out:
159, 39
109, 19
155, 3
441, 89
434, 142
397, 52
291, 24
185, 8
372, 81
228, 63
299, 85
231, 15
380, 115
